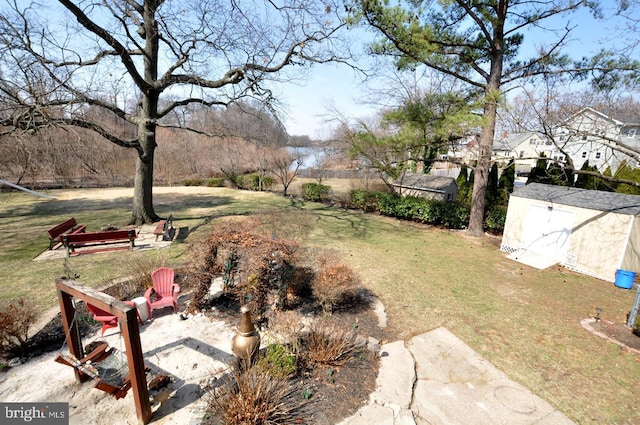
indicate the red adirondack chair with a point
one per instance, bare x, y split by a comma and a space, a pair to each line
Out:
108, 320
166, 291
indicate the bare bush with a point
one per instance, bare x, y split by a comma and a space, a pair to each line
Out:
254, 397
330, 344
256, 268
16, 317
139, 267
288, 326
334, 284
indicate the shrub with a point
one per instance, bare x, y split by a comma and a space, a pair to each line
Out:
453, 215
387, 202
139, 267
252, 181
192, 182
414, 208
363, 200
330, 344
268, 182
315, 191
495, 219
334, 284
288, 326
278, 360
254, 397
215, 182
16, 317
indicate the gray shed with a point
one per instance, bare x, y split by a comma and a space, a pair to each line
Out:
439, 188
588, 231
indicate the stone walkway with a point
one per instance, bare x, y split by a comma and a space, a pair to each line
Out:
436, 379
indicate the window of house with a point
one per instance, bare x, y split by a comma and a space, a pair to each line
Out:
532, 141
631, 132
521, 154
584, 137
449, 197
584, 154
597, 155
547, 142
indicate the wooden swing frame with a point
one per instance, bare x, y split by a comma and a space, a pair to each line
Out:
127, 317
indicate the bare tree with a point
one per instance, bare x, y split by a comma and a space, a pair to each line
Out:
285, 167
145, 60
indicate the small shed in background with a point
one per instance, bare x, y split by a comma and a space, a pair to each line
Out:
438, 188
588, 231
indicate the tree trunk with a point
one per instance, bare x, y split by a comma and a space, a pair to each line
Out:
143, 211
481, 172
492, 97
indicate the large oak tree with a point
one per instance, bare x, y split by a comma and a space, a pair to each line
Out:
142, 60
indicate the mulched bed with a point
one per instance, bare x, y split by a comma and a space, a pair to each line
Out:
336, 392
618, 332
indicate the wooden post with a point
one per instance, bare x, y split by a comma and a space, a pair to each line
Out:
131, 335
71, 331
128, 318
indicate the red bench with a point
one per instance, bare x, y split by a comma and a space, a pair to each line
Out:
78, 240
68, 227
165, 229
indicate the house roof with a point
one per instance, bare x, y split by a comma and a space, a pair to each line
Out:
424, 182
590, 199
512, 141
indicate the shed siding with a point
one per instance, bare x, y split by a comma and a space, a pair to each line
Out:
631, 258
595, 248
598, 242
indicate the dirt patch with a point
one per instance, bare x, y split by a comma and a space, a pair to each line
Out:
618, 333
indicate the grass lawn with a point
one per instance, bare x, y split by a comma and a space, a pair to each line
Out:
525, 321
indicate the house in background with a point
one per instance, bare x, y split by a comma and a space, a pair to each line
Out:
588, 135
587, 231
427, 186
598, 137
524, 149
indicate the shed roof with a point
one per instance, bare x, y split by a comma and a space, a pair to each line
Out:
425, 182
590, 199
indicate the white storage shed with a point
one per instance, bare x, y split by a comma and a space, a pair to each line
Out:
588, 231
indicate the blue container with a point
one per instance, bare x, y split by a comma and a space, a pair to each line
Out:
624, 279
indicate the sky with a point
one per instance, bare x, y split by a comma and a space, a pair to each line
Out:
335, 86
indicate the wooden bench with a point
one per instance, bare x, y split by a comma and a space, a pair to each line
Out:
165, 229
77, 240
68, 227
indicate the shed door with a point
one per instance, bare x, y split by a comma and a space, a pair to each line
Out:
547, 231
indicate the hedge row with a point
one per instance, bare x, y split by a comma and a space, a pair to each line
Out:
453, 215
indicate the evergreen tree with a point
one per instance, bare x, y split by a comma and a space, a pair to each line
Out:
539, 172
462, 182
586, 181
492, 186
625, 172
558, 175
506, 182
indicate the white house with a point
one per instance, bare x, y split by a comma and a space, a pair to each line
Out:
524, 149
588, 231
599, 138
589, 135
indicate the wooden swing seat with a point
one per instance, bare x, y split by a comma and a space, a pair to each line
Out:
103, 365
